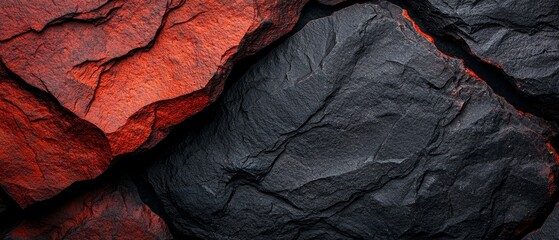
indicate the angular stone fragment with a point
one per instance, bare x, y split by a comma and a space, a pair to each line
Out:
132, 68
357, 127
109, 212
43, 147
521, 37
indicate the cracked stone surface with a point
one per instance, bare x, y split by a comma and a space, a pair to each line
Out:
131, 69
518, 36
368, 133
108, 212
43, 147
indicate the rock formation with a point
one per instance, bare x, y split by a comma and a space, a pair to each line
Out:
371, 133
132, 69
44, 148
520, 37
108, 212
339, 119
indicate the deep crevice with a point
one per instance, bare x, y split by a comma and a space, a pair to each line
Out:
135, 165
499, 82
495, 78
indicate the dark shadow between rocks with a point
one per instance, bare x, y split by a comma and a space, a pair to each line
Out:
135, 165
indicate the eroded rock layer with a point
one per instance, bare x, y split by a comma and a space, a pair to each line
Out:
108, 212
132, 69
357, 127
521, 37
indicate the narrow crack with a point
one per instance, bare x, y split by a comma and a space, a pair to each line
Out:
136, 165
499, 82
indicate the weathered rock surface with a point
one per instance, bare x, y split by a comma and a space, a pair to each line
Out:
521, 37
109, 212
43, 147
131, 68
330, 2
549, 229
357, 127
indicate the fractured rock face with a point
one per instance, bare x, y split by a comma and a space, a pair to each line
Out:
357, 127
134, 68
131, 68
43, 147
109, 212
521, 37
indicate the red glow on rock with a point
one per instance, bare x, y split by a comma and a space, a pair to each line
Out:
551, 180
104, 213
123, 82
472, 73
491, 63
552, 151
425, 35
43, 148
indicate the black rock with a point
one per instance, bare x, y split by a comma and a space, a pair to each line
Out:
549, 229
356, 127
330, 2
521, 37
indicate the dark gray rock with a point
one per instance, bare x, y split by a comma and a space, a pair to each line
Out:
330, 2
357, 127
519, 36
549, 230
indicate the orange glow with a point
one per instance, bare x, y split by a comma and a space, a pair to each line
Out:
551, 150
425, 35
472, 73
552, 187
491, 63
551, 176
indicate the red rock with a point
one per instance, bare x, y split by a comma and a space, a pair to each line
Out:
24, 16
131, 68
43, 147
110, 212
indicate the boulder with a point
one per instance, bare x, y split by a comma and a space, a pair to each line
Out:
106, 212
520, 37
128, 70
357, 127
43, 147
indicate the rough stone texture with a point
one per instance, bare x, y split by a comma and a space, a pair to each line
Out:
134, 68
330, 2
109, 212
518, 36
131, 68
549, 229
356, 127
43, 147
